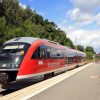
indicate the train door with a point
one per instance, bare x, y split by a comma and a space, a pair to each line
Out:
61, 57
53, 61
39, 58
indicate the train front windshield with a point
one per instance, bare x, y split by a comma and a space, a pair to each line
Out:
11, 55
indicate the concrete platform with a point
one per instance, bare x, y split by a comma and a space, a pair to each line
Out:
84, 85
67, 86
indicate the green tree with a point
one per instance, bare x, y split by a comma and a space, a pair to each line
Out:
89, 49
90, 52
2, 29
31, 29
81, 48
11, 12
16, 22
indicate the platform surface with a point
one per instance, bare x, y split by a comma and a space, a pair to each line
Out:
84, 85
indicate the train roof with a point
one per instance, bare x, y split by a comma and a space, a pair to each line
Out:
29, 40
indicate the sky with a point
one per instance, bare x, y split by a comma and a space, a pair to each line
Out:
80, 19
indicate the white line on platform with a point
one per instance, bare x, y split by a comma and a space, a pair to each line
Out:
54, 81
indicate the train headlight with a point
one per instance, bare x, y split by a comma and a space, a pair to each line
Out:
14, 65
17, 66
17, 59
4, 65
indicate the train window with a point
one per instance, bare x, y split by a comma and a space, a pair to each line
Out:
70, 60
65, 54
60, 54
36, 54
40, 52
53, 52
79, 59
48, 51
43, 51
15, 49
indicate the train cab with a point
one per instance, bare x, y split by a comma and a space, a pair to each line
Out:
11, 55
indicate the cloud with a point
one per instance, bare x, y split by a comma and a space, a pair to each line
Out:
81, 17
85, 11
97, 19
22, 5
86, 5
77, 20
85, 37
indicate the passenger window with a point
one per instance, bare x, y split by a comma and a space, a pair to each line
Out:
70, 60
60, 54
53, 52
48, 51
36, 54
40, 53
43, 51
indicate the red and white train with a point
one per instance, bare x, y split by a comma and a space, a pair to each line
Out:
26, 57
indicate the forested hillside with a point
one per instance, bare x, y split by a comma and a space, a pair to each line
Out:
16, 21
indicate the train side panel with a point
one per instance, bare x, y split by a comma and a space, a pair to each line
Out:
41, 65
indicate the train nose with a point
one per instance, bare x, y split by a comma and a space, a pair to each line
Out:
3, 78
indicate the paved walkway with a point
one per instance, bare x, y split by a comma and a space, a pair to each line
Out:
84, 85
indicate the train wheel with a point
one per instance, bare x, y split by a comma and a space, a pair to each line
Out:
4, 78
